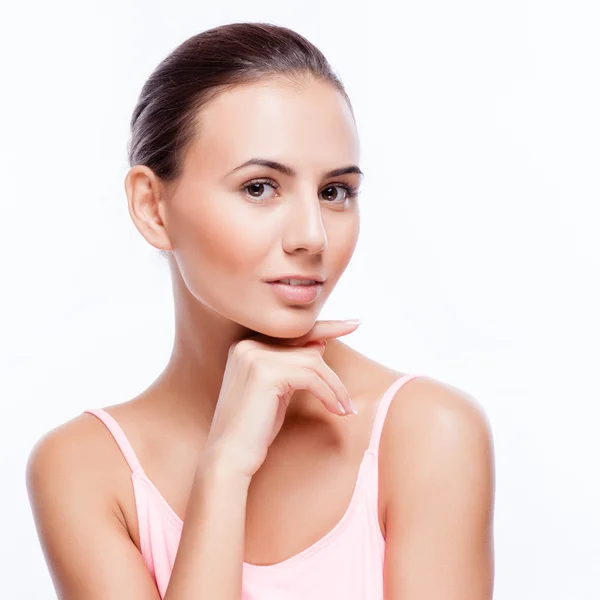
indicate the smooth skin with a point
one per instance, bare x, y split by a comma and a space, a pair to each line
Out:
225, 236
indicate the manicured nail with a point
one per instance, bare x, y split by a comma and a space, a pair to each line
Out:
353, 321
341, 409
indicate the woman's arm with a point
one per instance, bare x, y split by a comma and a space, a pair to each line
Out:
211, 550
87, 546
438, 468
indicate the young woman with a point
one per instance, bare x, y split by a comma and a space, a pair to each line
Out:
234, 475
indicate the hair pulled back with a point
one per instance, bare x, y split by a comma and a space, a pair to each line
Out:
167, 116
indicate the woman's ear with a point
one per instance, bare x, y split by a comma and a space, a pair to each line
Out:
145, 200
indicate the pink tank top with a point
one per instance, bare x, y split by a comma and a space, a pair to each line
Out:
345, 563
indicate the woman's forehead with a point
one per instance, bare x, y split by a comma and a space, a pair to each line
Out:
276, 120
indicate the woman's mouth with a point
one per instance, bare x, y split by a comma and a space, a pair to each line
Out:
297, 290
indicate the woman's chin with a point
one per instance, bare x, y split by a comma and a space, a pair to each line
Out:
295, 326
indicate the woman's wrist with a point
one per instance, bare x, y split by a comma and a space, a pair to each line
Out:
218, 467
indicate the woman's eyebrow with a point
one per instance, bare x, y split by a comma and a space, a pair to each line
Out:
271, 164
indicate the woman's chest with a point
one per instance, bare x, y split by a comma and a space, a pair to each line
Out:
301, 492
298, 498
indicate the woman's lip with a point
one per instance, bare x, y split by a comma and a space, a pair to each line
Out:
297, 293
316, 278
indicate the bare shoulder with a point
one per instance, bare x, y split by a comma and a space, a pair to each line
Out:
426, 405
73, 434
436, 440
71, 460
72, 477
72, 445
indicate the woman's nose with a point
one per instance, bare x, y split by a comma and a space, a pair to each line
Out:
304, 228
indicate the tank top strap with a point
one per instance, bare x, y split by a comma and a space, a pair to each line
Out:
120, 437
382, 409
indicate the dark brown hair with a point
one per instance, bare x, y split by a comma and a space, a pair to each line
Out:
166, 117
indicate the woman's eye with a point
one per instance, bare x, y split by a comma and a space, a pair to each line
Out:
332, 195
256, 189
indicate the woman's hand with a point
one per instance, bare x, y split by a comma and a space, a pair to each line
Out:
260, 378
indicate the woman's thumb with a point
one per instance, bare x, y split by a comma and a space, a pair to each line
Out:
319, 345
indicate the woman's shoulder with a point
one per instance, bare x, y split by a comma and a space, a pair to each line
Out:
420, 410
73, 462
422, 398
433, 423
70, 444
426, 402
72, 481
76, 442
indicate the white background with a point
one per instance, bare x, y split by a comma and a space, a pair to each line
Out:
477, 264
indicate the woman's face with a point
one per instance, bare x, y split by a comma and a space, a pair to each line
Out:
234, 228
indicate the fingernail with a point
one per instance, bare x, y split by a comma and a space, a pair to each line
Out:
352, 406
353, 321
341, 409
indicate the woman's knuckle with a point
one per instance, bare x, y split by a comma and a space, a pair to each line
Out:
246, 351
